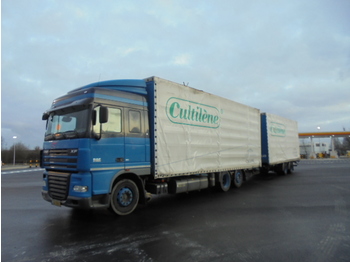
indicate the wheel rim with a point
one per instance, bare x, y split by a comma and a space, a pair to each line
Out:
226, 181
125, 196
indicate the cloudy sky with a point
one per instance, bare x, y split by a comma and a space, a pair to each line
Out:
290, 58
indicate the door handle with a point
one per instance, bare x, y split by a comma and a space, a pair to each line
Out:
119, 159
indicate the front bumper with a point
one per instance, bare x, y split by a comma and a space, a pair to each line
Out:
98, 201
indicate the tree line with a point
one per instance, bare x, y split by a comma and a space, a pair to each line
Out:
342, 147
23, 155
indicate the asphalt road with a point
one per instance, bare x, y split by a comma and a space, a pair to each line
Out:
300, 217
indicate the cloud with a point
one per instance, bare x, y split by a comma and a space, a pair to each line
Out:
183, 59
287, 57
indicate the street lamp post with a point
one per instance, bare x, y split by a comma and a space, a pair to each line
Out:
319, 143
14, 150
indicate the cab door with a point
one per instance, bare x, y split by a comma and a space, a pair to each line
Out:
136, 138
107, 149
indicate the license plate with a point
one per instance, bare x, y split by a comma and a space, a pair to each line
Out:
56, 202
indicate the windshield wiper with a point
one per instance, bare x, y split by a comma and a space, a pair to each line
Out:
72, 134
65, 135
69, 134
49, 137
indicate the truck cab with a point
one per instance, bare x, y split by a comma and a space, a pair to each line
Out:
96, 136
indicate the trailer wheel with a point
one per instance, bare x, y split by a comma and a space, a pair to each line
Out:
283, 169
223, 181
124, 197
238, 178
290, 167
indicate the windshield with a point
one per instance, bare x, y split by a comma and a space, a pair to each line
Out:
67, 125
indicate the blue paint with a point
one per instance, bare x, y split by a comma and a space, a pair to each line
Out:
101, 96
96, 163
264, 140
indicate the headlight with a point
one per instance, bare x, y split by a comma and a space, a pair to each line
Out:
80, 189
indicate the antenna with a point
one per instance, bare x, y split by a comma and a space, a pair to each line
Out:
185, 83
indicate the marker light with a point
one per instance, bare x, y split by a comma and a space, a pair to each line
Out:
80, 189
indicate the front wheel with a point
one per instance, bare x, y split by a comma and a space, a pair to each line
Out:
124, 197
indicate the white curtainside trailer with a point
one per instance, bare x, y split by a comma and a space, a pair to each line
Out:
280, 143
197, 132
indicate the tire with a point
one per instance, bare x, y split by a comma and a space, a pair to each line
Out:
290, 167
223, 181
124, 197
283, 169
238, 178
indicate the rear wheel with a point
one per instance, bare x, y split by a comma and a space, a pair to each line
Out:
124, 197
290, 167
238, 178
223, 181
283, 169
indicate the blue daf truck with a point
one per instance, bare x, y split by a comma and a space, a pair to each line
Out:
113, 144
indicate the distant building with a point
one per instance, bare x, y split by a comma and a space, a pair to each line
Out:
319, 148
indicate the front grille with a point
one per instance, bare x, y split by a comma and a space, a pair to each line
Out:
61, 152
60, 158
58, 185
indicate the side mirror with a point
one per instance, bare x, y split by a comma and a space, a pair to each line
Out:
45, 116
103, 114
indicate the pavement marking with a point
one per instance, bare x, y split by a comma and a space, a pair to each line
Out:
21, 171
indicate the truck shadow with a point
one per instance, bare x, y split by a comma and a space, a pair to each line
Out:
163, 204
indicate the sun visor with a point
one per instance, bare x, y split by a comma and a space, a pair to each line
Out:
71, 106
